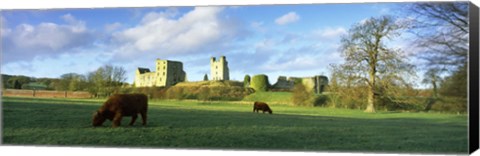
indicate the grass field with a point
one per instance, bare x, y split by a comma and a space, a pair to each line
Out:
229, 125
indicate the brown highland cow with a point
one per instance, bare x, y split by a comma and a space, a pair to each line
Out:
261, 106
120, 105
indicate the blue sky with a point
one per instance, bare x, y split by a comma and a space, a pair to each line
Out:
277, 40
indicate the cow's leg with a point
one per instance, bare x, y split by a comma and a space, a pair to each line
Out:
144, 117
117, 119
134, 117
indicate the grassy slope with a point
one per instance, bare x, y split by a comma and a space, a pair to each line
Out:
190, 124
211, 83
270, 97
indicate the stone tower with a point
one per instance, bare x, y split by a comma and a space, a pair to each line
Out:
219, 69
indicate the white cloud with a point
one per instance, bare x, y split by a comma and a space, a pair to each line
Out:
26, 41
301, 62
363, 21
54, 67
384, 11
2, 20
162, 35
258, 26
287, 18
3, 30
381, 9
332, 34
112, 27
265, 45
152, 16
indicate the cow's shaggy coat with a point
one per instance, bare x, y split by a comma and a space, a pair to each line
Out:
261, 106
120, 105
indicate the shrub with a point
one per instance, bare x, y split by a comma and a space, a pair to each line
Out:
260, 83
347, 97
175, 93
401, 103
246, 81
301, 96
450, 105
151, 92
205, 92
320, 100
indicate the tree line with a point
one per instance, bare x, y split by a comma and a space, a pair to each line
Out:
104, 81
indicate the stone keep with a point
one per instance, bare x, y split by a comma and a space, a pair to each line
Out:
168, 73
219, 69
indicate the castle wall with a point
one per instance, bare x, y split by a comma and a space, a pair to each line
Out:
145, 79
283, 84
174, 74
161, 72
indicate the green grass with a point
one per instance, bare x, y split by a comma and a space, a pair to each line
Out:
270, 97
229, 125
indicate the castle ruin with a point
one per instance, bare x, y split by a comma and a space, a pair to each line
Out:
168, 73
316, 83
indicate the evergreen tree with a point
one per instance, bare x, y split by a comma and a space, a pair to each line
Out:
205, 78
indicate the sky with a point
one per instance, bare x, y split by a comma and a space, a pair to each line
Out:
276, 40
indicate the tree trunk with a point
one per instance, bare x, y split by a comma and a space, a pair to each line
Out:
435, 90
371, 92
370, 104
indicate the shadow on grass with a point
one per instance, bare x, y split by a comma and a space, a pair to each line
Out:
28, 122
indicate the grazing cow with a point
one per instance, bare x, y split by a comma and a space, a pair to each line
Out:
261, 106
120, 105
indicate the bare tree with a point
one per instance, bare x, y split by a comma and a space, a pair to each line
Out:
106, 79
369, 60
432, 78
442, 30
